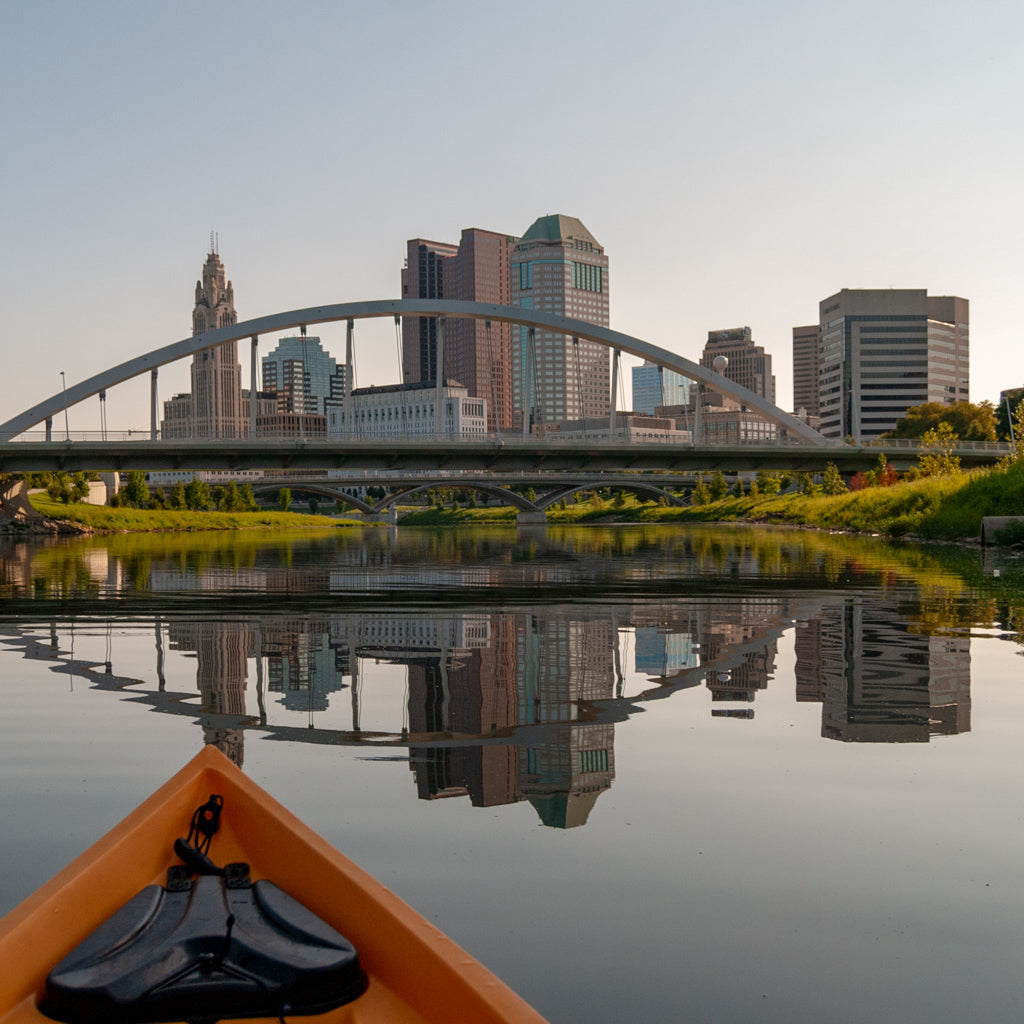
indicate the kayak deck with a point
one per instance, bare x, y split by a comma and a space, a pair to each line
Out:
416, 973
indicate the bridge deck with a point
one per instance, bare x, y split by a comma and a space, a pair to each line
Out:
441, 458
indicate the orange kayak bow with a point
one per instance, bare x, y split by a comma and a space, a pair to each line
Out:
405, 968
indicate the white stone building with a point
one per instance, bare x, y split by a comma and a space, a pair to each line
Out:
412, 410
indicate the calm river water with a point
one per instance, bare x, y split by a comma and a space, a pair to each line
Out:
644, 774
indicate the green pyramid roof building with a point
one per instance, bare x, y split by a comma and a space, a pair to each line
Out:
556, 226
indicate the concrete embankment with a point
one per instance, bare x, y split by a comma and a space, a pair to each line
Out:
19, 518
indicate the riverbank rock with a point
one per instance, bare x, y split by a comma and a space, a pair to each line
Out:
19, 519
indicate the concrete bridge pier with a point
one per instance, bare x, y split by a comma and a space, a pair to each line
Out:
389, 516
531, 517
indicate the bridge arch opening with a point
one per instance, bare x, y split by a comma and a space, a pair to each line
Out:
45, 411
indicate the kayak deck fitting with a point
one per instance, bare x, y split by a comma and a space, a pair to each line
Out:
126, 937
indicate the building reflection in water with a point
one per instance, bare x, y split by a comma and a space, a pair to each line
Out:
502, 707
877, 680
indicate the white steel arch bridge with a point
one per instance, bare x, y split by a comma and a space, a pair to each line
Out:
150, 362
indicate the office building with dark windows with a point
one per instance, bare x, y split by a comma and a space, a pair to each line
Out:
559, 267
476, 352
303, 376
806, 360
748, 364
886, 350
423, 277
655, 387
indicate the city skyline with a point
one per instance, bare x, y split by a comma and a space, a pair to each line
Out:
105, 213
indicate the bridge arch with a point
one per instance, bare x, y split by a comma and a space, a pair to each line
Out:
377, 308
337, 492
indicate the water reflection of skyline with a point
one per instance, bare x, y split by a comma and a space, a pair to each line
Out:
504, 706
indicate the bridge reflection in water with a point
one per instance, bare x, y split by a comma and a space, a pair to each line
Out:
501, 706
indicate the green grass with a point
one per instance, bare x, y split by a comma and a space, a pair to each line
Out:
117, 520
937, 508
503, 514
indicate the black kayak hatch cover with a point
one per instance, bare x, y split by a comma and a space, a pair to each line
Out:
204, 950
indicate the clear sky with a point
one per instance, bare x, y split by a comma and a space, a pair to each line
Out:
739, 160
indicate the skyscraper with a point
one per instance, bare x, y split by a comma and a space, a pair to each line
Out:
749, 365
214, 407
422, 278
476, 354
886, 350
655, 387
559, 267
305, 377
806, 353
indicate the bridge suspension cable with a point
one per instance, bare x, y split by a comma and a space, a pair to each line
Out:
494, 381
579, 381
45, 411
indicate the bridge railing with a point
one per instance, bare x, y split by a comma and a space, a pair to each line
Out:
616, 439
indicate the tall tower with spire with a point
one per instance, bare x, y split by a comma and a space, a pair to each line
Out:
216, 373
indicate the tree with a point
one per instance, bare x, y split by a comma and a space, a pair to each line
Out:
135, 493
805, 482
233, 499
79, 488
883, 475
314, 504
248, 499
832, 480
1009, 409
718, 488
967, 421
768, 482
737, 488
284, 499
937, 447
177, 498
59, 488
197, 495
1017, 455
701, 495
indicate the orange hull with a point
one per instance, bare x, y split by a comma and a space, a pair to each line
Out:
417, 974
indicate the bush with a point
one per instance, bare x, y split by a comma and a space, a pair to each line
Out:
701, 495
832, 482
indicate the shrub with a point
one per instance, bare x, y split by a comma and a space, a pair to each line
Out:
832, 481
937, 447
701, 495
719, 488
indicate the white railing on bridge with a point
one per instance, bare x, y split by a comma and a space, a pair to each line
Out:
617, 438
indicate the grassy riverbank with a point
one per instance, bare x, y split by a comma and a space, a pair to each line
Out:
936, 508
132, 520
